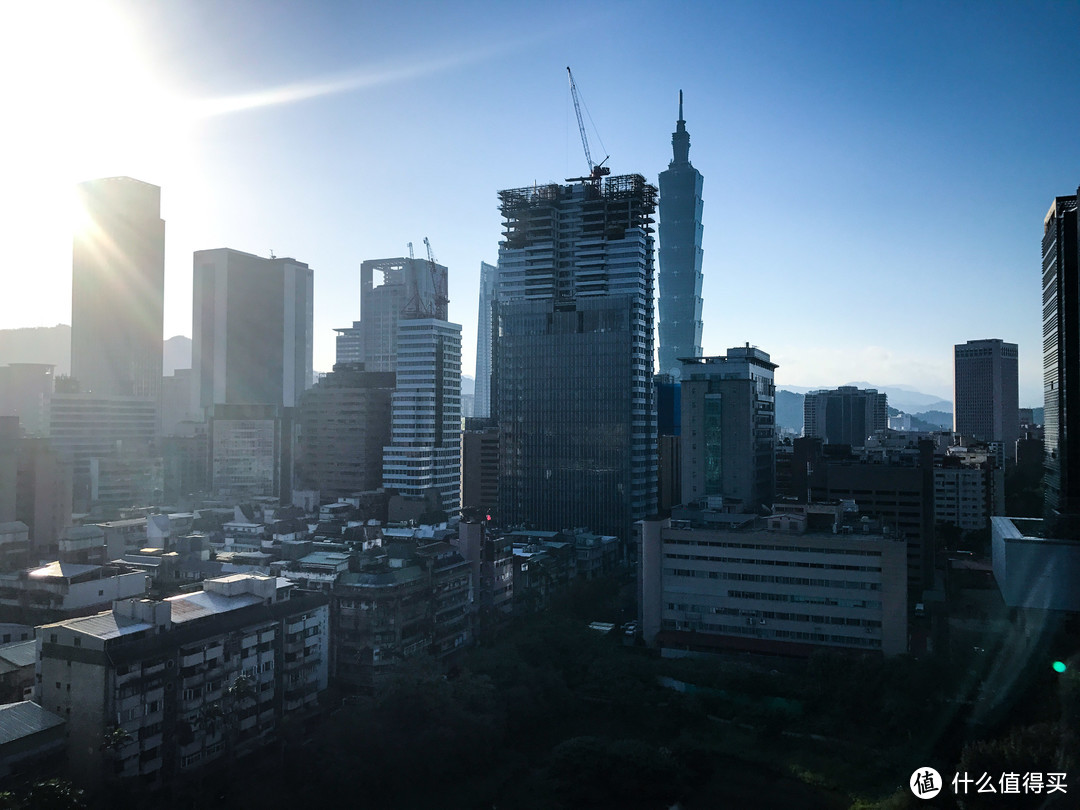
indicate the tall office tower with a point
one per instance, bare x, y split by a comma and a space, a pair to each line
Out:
574, 355
1061, 359
845, 415
344, 425
480, 465
410, 288
987, 392
349, 344
728, 437
482, 392
425, 446
680, 255
118, 289
252, 329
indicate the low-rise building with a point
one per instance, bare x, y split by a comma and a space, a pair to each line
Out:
61, 590
779, 585
184, 681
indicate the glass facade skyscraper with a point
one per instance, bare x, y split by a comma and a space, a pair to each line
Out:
1061, 357
680, 255
482, 394
573, 390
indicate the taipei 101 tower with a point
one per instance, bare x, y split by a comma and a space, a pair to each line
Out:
680, 255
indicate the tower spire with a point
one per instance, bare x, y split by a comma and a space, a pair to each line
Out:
680, 139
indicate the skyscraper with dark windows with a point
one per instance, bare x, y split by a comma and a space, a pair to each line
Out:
845, 415
573, 360
987, 392
680, 255
118, 289
1061, 360
482, 408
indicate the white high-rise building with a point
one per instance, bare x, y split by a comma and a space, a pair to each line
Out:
425, 445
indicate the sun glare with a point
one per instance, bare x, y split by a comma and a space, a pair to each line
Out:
82, 100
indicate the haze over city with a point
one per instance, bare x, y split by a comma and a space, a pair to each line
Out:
875, 174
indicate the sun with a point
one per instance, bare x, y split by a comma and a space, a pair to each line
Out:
83, 99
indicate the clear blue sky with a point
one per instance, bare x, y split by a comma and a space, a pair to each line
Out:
876, 173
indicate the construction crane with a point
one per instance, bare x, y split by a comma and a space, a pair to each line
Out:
441, 298
596, 170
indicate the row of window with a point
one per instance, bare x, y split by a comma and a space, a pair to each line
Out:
767, 632
820, 583
789, 563
751, 615
680, 541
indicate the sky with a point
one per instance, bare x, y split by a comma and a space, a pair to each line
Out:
875, 173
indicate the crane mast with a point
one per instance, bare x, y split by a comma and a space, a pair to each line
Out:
597, 170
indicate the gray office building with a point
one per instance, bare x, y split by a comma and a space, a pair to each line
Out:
118, 289
728, 434
482, 392
987, 392
845, 415
573, 360
252, 331
680, 255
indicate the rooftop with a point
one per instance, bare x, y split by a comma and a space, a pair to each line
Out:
18, 720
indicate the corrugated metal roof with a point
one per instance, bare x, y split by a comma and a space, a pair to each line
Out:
18, 720
21, 653
196, 605
62, 569
106, 625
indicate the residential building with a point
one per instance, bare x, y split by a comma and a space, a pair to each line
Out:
680, 255
118, 289
424, 451
986, 407
245, 649
344, 423
845, 415
727, 439
252, 329
491, 558
60, 590
44, 495
573, 364
482, 389
30, 738
1061, 364
800, 580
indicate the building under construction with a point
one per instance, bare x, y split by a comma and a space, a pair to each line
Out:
408, 288
573, 354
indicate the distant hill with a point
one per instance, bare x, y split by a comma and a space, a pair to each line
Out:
939, 419
789, 410
52, 344
39, 344
468, 385
176, 353
901, 397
